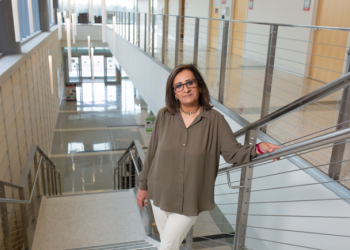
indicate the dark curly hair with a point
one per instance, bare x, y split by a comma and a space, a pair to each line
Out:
172, 105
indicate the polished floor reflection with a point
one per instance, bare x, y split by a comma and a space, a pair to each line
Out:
92, 133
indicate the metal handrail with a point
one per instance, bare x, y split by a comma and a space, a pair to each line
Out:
25, 173
315, 95
295, 148
250, 22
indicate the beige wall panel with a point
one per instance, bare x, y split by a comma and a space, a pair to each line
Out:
17, 92
20, 117
10, 118
15, 79
30, 78
25, 97
6, 88
3, 149
23, 70
4, 168
8, 103
29, 141
24, 84
15, 171
2, 130
11, 134
1, 113
18, 105
35, 138
20, 129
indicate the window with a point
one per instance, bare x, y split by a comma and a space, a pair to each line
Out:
23, 16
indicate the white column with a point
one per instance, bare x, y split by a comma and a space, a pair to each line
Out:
16, 20
104, 22
69, 45
30, 14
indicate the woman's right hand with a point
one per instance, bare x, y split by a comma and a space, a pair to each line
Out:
142, 198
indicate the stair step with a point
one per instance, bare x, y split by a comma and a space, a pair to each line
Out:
132, 245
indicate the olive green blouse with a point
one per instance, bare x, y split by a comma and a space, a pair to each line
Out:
181, 164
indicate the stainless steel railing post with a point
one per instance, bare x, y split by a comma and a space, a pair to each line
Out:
343, 122
125, 177
4, 220
270, 63
24, 219
56, 189
42, 167
223, 62
48, 179
30, 188
153, 32
244, 196
138, 29
177, 41
115, 177
129, 26
163, 38
196, 41
130, 171
145, 42
59, 180
36, 168
189, 239
52, 170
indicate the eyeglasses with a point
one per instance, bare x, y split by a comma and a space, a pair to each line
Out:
189, 83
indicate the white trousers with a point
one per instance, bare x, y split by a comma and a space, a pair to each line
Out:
172, 227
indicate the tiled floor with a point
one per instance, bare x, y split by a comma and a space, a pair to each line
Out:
92, 133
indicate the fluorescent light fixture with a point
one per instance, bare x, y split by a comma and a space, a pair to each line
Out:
92, 63
52, 12
16, 20
104, 21
50, 69
69, 45
59, 23
69, 9
114, 28
90, 12
30, 14
73, 29
88, 37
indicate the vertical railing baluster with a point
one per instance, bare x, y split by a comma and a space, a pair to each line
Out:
163, 38
196, 42
153, 32
125, 177
24, 219
59, 180
48, 179
270, 63
189, 239
115, 178
56, 189
177, 41
337, 155
42, 169
30, 187
130, 170
244, 196
4, 220
129, 26
138, 29
52, 171
120, 167
145, 42
223, 62
36, 168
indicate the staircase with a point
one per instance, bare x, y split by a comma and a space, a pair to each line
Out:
107, 220
139, 245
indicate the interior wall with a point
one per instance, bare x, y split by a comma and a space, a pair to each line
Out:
196, 8
290, 39
28, 110
149, 77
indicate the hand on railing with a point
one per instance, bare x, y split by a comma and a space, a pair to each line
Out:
142, 198
265, 147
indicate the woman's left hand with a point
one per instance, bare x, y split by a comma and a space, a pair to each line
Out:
266, 147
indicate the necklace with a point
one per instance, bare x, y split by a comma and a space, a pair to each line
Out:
190, 113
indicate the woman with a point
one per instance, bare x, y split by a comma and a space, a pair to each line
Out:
182, 161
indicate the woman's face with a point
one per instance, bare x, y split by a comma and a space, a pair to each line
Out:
188, 95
